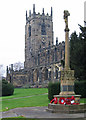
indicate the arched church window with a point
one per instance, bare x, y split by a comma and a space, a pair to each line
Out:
50, 75
55, 54
56, 74
38, 59
46, 74
43, 28
29, 31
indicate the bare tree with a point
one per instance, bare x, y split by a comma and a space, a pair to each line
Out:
2, 71
18, 66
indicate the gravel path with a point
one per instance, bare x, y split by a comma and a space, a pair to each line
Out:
40, 112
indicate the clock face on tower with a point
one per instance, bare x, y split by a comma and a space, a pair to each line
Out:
43, 41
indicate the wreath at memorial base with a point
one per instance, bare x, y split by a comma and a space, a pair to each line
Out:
62, 100
65, 101
54, 100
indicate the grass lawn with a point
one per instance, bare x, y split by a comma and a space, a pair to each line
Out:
39, 100
20, 92
83, 100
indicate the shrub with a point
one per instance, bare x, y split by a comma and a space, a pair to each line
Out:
53, 89
7, 88
80, 88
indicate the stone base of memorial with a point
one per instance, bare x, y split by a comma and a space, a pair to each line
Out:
67, 101
69, 109
76, 107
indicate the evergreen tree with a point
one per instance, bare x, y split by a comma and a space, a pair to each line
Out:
77, 53
82, 37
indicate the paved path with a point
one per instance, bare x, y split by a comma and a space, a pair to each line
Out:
23, 97
40, 112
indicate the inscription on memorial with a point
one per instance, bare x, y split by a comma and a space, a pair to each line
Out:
67, 88
67, 75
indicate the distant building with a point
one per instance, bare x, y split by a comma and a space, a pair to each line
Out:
85, 13
42, 58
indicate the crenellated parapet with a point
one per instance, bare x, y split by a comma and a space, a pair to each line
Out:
38, 15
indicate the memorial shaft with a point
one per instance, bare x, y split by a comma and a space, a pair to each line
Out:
67, 61
67, 75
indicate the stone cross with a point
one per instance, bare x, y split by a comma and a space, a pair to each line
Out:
67, 61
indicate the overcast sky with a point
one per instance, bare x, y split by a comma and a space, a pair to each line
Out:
12, 23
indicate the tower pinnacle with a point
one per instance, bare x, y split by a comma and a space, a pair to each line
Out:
33, 8
29, 13
43, 11
26, 14
56, 40
51, 12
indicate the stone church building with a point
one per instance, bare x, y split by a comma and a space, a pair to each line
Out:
42, 58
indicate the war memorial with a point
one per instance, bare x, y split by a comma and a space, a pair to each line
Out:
67, 100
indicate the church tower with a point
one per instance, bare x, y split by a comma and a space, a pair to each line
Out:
38, 33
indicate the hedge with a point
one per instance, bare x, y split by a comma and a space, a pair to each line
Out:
7, 88
53, 89
79, 88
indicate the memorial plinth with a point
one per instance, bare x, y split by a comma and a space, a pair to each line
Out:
68, 109
67, 82
64, 99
